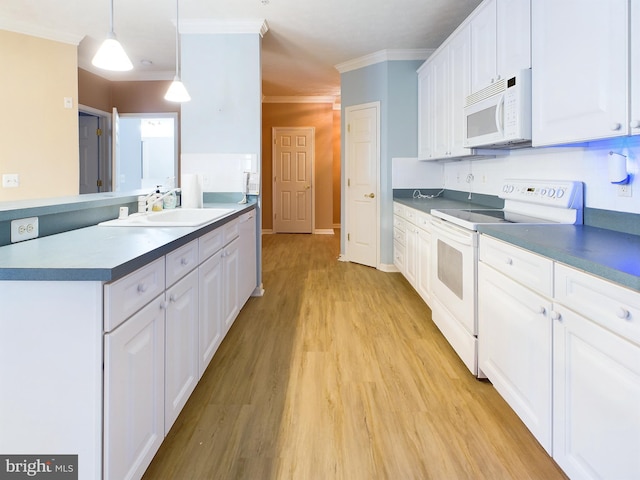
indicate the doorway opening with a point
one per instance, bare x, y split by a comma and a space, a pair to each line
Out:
94, 129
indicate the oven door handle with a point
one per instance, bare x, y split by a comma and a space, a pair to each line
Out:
454, 234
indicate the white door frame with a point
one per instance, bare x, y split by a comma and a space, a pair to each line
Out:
274, 131
345, 187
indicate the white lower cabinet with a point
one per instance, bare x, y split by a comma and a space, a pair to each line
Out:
247, 275
230, 262
412, 247
566, 359
134, 392
514, 347
211, 292
596, 348
157, 348
181, 346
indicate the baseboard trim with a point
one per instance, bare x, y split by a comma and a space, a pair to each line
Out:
388, 268
267, 231
324, 231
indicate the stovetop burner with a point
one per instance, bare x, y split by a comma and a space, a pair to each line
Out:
526, 202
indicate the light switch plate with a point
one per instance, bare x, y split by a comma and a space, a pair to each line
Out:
24, 229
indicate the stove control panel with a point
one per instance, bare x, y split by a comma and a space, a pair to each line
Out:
553, 193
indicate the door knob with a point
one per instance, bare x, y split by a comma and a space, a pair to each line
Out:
307, 187
370, 195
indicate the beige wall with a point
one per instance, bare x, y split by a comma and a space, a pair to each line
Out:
320, 116
38, 136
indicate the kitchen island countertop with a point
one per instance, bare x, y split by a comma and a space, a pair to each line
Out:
99, 253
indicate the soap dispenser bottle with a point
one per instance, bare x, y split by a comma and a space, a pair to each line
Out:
157, 204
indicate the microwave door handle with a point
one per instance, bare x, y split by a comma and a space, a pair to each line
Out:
500, 115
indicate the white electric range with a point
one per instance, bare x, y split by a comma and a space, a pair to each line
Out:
455, 251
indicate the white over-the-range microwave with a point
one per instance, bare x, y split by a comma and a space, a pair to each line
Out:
499, 115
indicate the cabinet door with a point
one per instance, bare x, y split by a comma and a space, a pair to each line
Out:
424, 123
247, 276
483, 46
230, 275
580, 70
513, 36
440, 130
596, 426
411, 254
211, 307
514, 348
181, 346
459, 87
634, 124
423, 276
134, 392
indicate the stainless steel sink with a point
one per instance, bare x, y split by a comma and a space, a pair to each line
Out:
179, 217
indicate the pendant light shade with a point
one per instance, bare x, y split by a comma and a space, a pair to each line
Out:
177, 91
111, 55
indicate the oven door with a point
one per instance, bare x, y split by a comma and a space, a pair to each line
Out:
454, 251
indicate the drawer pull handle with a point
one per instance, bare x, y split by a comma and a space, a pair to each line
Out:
164, 305
622, 313
184, 261
142, 287
555, 316
509, 261
540, 310
173, 298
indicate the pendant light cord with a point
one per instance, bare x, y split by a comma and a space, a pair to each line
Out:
177, 39
111, 19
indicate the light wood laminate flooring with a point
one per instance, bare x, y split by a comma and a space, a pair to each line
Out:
339, 373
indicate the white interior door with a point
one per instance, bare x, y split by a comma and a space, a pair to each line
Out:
293, 180
362, 164
89, 153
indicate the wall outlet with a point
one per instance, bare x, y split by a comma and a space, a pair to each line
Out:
24, 229
10, 180
624, 190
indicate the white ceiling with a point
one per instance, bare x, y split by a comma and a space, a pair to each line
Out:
304, 43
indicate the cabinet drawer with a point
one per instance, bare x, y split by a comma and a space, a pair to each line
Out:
126, 296
410, 215
181, 261
399, 236
524, 267
230, 231
614, 307
399, 224
398, 209
423, 221
210, 243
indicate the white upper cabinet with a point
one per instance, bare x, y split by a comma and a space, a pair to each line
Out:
444, 83
492, 43
580, 70
514, 36
484, 59
500, 41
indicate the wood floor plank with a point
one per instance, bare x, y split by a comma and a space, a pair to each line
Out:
338, 372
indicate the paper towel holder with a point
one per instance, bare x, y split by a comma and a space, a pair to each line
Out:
618, 174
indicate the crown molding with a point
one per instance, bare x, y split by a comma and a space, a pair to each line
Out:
208, 26
40, 32
299, 99
384, 56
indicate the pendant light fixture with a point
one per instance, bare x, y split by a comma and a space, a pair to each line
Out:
111, 55
177, 91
